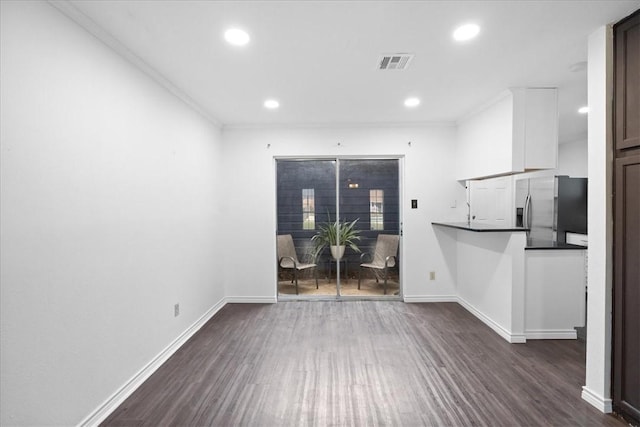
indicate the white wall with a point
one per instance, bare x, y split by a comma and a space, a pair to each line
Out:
597, 389
109, 207
428, 176
490, 280
572, 159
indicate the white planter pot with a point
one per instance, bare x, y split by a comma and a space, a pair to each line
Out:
337, 251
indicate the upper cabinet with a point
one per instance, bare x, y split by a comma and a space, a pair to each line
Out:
491, 201
516, 132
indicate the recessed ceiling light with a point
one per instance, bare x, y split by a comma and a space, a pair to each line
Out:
466, 32
271, 104
236, 37
411, 102
583, 110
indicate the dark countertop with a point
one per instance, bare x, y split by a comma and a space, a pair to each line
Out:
474, 226
532, 244
536, 244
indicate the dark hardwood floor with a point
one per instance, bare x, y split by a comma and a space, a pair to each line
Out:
361, 363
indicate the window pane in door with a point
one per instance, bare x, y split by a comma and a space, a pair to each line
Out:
376, 209
308, 209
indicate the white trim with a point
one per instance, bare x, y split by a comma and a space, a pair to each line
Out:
342, 157
551, 334
80, 18
430, 298
251, 300
599, 402
504, 333
109, 405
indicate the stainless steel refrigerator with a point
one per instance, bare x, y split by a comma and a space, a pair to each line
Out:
552, 206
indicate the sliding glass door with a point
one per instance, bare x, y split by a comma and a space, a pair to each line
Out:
369, 194
306, 197
338, 228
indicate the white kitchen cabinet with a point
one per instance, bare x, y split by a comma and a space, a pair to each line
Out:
514, 133
492, 201
554, 293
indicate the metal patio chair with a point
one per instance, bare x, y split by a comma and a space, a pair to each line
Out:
288, 259
384, 257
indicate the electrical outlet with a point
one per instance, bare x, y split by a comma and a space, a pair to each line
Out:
176, 310
432, 275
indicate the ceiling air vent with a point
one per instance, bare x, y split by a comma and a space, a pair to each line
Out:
394, 61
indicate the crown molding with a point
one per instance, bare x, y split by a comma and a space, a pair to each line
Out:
80, 18
337, 125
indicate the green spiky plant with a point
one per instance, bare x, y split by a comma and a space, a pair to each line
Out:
332, 232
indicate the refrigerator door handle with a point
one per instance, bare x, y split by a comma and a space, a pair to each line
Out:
530, 212
526, 214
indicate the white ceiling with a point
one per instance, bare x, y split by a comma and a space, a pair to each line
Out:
318, 58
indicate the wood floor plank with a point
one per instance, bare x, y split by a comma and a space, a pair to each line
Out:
361, 363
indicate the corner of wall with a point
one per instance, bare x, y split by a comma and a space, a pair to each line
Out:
600, 154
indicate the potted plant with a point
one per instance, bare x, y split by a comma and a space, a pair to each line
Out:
333, 232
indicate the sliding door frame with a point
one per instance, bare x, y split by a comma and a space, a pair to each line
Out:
337, 158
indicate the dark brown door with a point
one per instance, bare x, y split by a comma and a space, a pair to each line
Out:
626, 287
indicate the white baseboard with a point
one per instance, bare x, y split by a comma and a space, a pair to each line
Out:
109, 405
504, 333
599, 402
430, 298
517, 339
551, 334
106, 408
251, 300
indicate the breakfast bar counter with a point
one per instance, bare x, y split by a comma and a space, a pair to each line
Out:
479, 227
514, 286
